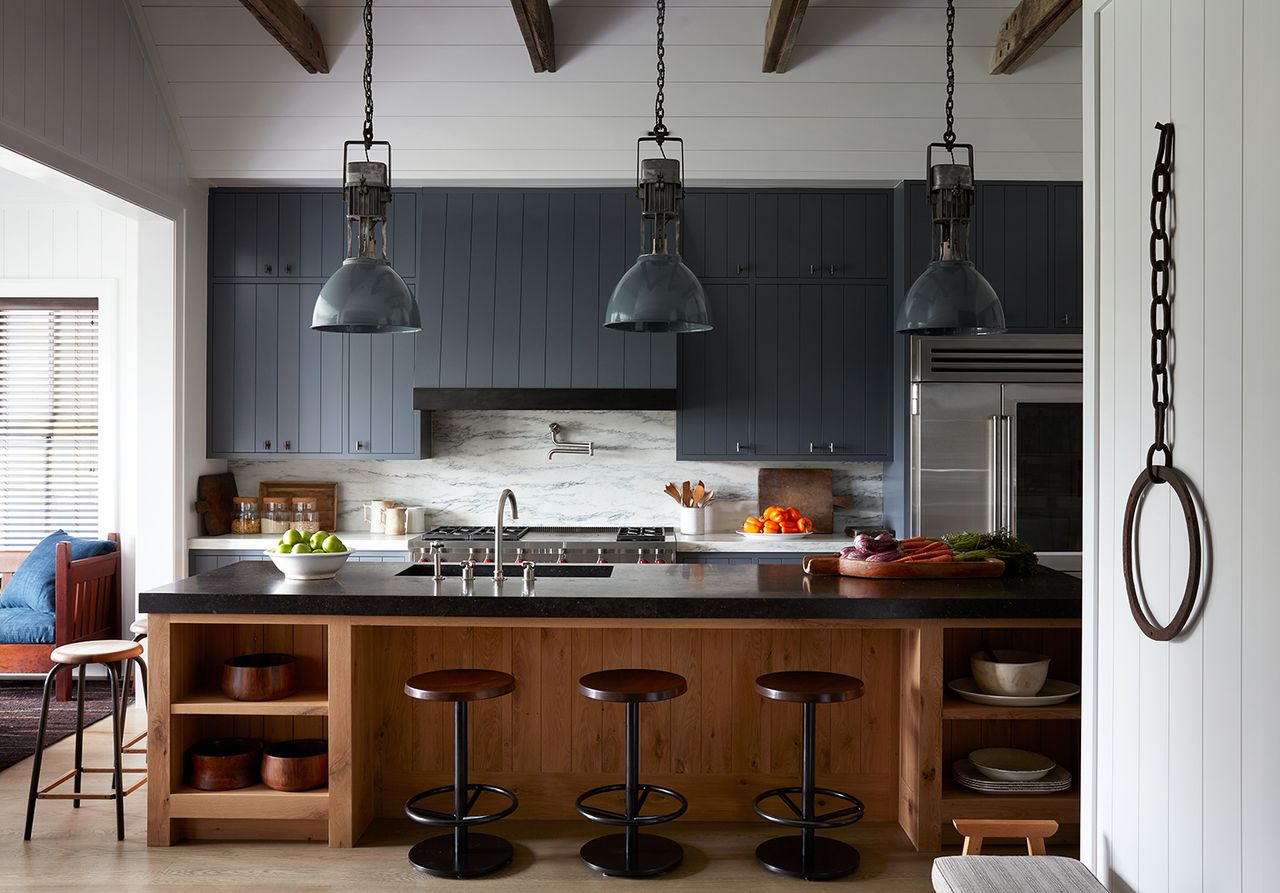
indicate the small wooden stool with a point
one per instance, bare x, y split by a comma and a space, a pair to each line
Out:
809, 856
628, 854
975, 873
109, 653
461, 854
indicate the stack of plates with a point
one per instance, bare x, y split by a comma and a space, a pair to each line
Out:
1056, 780
1055, 691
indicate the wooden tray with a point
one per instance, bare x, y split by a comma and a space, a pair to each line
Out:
325, 493
898, 570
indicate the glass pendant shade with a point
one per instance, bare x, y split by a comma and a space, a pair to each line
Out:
951, 298
658, 294
365, 296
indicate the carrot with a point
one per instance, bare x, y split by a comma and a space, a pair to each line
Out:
928, 558
930, 550
917, 541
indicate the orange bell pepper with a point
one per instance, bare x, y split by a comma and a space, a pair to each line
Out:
772, 527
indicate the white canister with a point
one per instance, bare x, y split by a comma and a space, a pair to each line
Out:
394, 518
415, 518
693, 520
374, 514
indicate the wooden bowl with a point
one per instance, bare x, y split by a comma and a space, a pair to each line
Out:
297, 765
260, 677
224, 764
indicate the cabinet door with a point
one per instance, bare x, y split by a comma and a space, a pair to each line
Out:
788, 235
266, 393
243, 349
855, 235
222, 234
856, 355
1013, 250
289, 249
309, 379
786, 367
713, 415
1068, 257
716, 240
220, 437
918, 233
381, 420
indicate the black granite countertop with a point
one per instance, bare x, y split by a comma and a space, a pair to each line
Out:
679, 591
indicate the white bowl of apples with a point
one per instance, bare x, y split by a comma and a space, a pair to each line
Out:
303, 556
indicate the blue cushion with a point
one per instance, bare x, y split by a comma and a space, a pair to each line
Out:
21, 626
32, 584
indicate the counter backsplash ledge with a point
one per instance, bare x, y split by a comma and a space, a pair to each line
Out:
477, 453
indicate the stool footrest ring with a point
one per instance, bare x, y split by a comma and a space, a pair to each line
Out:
836, 818
424, 816
610, 817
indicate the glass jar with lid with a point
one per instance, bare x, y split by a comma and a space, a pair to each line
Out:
277, 515
305, 517
245, 520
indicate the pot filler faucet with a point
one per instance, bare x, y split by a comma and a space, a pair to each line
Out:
498, 575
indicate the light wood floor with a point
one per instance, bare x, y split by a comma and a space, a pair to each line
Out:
71, 848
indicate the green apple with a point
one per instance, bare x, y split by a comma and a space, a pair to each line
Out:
317, 540
291, 537
282, 549
333, 544
300, 549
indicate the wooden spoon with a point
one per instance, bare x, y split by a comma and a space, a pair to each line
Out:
699, 491
670, 490
686, 495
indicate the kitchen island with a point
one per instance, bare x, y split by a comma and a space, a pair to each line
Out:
359, 636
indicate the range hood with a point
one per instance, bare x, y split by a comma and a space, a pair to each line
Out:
432, 399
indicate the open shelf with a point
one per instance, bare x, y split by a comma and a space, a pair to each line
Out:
255, 802
958, 708
961, 803
312, 702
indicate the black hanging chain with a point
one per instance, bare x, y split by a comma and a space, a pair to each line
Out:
1161, 317
949, 135
660, 131
368, 76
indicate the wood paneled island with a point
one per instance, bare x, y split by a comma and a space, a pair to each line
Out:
359, 636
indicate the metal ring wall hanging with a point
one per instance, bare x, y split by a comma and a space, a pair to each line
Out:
1161, 325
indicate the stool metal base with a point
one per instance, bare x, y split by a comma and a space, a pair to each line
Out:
484, 854
652, 855
828, 858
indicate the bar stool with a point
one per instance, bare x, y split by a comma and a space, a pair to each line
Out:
109, 653
461, 854
809, 856
133, 746
628, 854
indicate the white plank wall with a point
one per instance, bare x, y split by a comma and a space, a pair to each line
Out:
1181, 736
456, 96
73, 74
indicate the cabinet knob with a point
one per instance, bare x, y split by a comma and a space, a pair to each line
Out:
288, 268
812, 270
266, 444
1064, 320
738, 448
266, 268
742, 268
361, 446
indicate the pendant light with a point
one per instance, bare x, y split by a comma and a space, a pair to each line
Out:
659, 293
951, 297
366, 295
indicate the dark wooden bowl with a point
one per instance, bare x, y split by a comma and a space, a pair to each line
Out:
297, 765
260, 677
224, 764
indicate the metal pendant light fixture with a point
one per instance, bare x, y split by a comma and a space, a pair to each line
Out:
366, 295
951, 297
659, 293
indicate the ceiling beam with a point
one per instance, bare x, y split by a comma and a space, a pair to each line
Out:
287, 23
780, 33
1027, 27
534, 19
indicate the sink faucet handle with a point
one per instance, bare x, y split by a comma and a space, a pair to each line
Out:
529, 572
469, 571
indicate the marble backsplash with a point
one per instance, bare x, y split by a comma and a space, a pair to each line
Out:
478, 453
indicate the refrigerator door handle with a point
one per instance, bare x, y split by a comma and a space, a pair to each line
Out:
1006, 473
997, 473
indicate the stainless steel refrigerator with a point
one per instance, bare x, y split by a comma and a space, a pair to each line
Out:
997, 440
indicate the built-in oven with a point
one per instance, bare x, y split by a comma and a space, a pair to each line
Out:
997, 440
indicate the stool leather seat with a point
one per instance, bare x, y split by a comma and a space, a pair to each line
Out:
95, 651
460, 685
139, 626
632, 686
809, 687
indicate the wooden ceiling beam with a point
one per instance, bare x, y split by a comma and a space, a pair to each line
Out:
1026, 29
287, 23
780, 33
534, 19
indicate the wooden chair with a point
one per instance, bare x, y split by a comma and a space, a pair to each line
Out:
86, 607
976, 873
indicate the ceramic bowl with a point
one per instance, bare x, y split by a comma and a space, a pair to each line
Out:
1011, 764
1014, 673
310, 565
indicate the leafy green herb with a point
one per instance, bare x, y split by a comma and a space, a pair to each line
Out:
1018, 557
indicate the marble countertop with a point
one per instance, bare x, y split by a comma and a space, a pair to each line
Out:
631, 591
355, 540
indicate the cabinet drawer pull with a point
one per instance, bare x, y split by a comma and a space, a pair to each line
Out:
266, 445
288, 444
1064, 320
266, 268
361, 446
832, 270
738, 448
288, 268
741, 269
831, 448
811, 446
812, 270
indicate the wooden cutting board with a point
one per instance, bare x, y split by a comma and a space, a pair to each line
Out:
808, 489
325, 493
214, 493
819, 565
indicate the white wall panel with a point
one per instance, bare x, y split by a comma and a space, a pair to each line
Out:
1180, 732
456, 95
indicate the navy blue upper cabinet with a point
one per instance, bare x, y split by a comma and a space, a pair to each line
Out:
1027, 242
827, 235
716, 241
713, 415
513, 289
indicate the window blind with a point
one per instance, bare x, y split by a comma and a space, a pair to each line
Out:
48, 419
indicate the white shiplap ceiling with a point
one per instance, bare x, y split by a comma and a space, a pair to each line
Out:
456, 95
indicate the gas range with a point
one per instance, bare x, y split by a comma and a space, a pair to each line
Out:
551, 545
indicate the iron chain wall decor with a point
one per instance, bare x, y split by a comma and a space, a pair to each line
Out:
1165, 473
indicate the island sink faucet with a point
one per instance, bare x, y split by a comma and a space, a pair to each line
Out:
498, 575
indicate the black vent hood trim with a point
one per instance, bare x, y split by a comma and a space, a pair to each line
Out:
429, 399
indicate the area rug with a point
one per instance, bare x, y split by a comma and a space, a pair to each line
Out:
20, 716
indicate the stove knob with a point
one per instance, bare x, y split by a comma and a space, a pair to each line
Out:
561, 559
642, 559
657, 557
488, 556
601, 559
